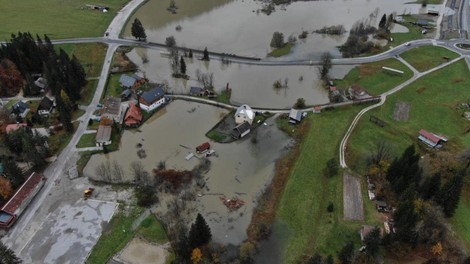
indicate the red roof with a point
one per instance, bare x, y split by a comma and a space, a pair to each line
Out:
317, 107
22, 193
435, 139
13, 127
133, 115
357, 89
203, 147
332, 88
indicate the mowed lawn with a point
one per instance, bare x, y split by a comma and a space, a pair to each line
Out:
56, 18
433, 101
427, 57
375, 80
304, 202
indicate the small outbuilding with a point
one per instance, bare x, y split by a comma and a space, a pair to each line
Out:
381, 206
295, 116
196, 91
127, 81
203, 148
19, 109
317, 109
241, 130
358, 90
430, 139
112, 108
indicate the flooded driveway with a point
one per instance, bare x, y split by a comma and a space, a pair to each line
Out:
240, 169
250, 84
237, 27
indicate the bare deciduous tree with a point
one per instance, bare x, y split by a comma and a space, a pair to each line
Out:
118, 172
140, 175
104, 172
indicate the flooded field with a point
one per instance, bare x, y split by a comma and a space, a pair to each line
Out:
252, 85
240, 169
238, 27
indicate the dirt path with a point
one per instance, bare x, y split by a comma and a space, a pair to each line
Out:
352, 198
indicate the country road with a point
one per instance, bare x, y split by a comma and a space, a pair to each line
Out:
29, 223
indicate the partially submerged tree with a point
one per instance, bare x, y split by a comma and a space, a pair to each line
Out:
200, 232
325, 65
278, 40
205, 56
170, 42
138, 30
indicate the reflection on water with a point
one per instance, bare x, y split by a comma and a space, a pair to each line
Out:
236, 27
271, 250
241, 168
252, 85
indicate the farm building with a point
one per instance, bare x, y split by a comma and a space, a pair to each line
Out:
243, 114
20, 109
20, 200
112, 109
317, 109
103, 134
152, 99
431, 139
196, 91
358, 90
241, 130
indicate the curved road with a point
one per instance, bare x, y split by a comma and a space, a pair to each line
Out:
20, 235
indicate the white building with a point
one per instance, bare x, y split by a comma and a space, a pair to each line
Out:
244, 114
152, 99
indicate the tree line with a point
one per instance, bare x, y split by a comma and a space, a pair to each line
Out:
27, 58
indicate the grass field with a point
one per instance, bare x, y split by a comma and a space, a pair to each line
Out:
56, 18
281, 51
117, 235
433, 99
460, 222
375, 80
152, 230
427, 57
86, 140
308, 192
113, 88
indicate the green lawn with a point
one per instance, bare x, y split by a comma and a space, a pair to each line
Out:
87, 140
375, 80
281, 51
308, 192
413, 34
113, 88
460, 222
427, 57
152, 230
116, 236
56, 18
433, 100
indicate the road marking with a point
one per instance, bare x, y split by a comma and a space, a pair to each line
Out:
31, 237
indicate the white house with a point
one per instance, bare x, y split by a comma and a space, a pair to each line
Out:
152, 99
244, 114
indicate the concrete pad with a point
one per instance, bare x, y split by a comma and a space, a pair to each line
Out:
68, 234
352, 198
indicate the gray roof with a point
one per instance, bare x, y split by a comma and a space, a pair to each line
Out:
20, 106
127, 81
112, 106
195, 90
153, 95
103, 134
45, 104
295, 115
126, 93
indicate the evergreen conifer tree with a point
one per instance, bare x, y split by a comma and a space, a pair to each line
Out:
200, 232
138, 30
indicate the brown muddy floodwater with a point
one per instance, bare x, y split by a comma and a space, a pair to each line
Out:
251, 84
236, 26
241, 168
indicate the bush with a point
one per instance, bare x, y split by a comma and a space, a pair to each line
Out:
330, 207
300, 103
145, 196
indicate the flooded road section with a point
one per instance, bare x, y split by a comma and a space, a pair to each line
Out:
241, 169
237, 27
250, 84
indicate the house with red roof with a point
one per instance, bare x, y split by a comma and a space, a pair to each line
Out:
12, 209
431, 139
13, 127
133, 116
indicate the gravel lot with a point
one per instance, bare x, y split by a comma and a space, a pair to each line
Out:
352, 198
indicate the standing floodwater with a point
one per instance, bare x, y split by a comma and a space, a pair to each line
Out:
238, 27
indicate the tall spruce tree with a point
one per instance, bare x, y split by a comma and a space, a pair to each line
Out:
449, 195
200, 232
138, 30
383, 22
182, 66
7, 256
430, 187
406, 218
